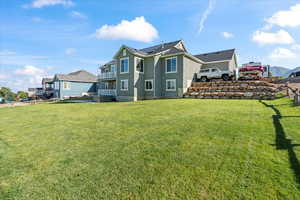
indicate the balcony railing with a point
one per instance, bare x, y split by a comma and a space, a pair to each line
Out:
107, 92
107, 75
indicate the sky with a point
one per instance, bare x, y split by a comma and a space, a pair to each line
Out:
40, 38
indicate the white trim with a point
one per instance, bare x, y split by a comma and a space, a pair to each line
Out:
125, 58
135, 64
172, 90
171, 62
68, 85
124, 52
124, 80
149, 90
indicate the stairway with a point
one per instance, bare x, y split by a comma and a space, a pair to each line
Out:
232, 90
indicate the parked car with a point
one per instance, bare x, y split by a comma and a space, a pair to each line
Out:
214, 73
24, 100
294, 74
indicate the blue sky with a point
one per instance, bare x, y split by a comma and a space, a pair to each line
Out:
42, 37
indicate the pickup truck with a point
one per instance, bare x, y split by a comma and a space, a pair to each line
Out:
214, 73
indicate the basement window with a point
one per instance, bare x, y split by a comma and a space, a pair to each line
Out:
148, 85
171, 85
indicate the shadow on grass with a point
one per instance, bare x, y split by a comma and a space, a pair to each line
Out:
283, 143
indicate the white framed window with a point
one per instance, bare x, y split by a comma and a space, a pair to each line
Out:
124, 85
149, 85
171, 65
171, 84
124, 65
66, 85
139, 65
113, 68
124, 52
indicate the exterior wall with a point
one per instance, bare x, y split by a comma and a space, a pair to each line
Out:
223, 66
76, 89
129, 76
190, 68
177, 76
233, 63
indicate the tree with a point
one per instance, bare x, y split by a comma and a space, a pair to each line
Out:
22, 95
6, 93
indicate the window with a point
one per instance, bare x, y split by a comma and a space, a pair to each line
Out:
204, 70
124, 84
213, 70
171, 85
124, 62
140, 65
124, 52
113, 68
171, 65
66, 85
148, 85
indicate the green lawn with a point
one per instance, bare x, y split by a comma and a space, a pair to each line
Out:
161, 149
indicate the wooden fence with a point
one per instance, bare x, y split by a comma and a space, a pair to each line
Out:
294, 93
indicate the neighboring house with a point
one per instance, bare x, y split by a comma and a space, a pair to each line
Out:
35, 92
75, 84
161, 71
48, 87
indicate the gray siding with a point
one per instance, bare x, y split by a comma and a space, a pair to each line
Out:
223, 66
190, 68
76, 89
129, 76
177, 76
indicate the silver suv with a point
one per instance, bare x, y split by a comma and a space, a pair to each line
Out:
214, 73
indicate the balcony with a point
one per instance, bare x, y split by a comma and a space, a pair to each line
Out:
107, 76
107, 92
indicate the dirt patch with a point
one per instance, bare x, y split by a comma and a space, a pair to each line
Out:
14, 105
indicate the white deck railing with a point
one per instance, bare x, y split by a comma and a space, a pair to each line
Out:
107, 75
107, 92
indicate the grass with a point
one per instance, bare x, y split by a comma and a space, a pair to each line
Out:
161, 149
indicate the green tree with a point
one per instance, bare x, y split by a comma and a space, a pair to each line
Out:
6, 93
22, 95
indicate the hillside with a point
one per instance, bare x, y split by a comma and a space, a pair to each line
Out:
156, 149
283, 71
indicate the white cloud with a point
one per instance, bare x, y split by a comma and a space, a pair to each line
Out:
2, 76
295, 47
78, 15
286, 18
31, 74
227, 35
207, 12
37, 19
138, 30
43, 3
70, 51
282, 53
7, 53
280, 37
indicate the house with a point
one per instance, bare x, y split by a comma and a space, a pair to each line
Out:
35, 93
161, 71
75, 84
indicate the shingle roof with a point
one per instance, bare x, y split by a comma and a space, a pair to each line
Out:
160, 48
47, 80
216, 56
78, 76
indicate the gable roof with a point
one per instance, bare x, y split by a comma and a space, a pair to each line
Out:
47, 80
78, 76
161, 48
216, 56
